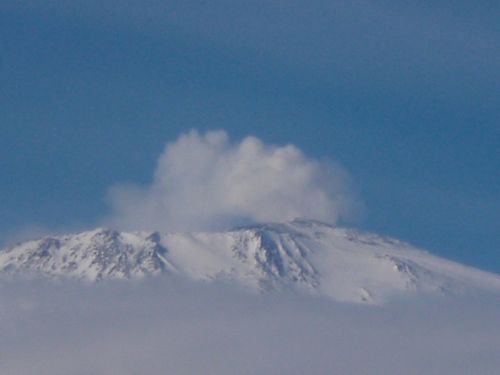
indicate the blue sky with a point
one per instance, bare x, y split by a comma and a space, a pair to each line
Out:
405, 96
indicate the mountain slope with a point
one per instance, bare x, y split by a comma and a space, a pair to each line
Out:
302, 255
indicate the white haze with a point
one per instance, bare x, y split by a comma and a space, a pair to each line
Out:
168, 326
204, 182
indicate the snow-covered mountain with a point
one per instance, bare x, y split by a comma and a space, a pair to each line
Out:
302, 255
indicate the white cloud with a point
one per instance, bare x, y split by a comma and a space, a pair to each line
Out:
203, 182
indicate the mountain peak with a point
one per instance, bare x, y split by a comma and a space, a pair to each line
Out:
301, 255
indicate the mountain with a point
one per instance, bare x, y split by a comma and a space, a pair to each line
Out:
302, 255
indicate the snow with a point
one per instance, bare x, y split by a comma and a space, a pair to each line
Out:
303, 256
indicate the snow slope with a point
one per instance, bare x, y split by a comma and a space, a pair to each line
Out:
303, 255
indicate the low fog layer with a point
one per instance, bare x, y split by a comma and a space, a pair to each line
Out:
168, 326
205, 182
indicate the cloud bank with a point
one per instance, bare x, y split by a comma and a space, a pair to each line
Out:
205, 182
168, 326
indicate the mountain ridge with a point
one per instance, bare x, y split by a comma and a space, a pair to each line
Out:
306, 256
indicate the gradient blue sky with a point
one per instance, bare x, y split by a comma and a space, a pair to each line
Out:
406, 96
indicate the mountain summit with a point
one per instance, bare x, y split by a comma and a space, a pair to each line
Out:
302, 255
